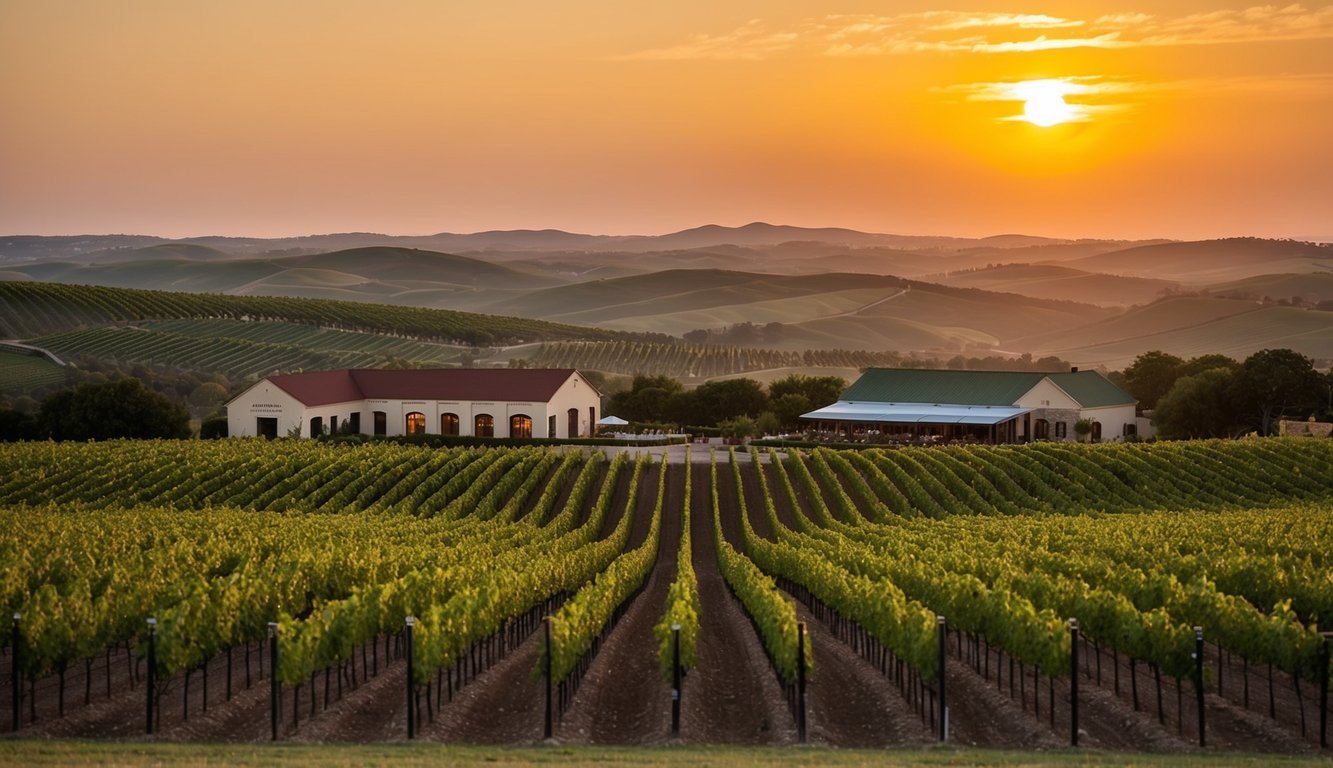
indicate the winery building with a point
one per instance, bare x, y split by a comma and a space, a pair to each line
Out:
481, 402
912, 405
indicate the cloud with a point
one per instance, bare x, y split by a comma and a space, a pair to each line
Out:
974, 32
1072, 93
1088, 96
748, 42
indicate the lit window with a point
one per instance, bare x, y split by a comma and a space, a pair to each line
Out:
416, 423
484, 425
520, 425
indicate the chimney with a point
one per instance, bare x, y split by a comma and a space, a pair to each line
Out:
1074, 369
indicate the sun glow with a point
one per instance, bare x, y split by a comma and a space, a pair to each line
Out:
1044, 102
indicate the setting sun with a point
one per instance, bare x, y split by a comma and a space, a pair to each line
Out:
1044, 102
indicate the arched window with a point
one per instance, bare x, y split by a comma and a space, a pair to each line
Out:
448, 423
416, 423
316, 426
520, 425
484, 425
1041, 430
573, 417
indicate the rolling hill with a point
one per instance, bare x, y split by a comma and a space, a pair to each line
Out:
1313, 288
1190, 326
853, 311
1054, 281
1209, 262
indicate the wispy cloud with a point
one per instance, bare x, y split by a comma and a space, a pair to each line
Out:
1071, 93
751, 41
973, 32
1091, 96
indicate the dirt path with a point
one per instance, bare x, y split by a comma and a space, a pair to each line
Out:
375, 711
849, 703
732, 696
623, 698
503, 705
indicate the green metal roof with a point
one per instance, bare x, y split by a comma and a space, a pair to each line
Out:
1091, 389
996, 388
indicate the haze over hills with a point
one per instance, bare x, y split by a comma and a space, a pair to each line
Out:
1091, 301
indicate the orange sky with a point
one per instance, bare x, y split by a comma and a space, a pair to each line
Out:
279, 117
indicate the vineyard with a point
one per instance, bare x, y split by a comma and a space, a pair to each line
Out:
31, 309
695, 361
240, 349
306, 591
21, 371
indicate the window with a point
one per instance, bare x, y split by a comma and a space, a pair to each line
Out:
1131, 430
448, 423
520, 425
416, 423
592, 419
356, 423
316, 426
573, 421
550, 426
381, 424
484, 425
1061, 430
333, 425
266, 427
1096, 431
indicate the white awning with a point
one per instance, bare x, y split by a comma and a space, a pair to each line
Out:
612, 421
915, 413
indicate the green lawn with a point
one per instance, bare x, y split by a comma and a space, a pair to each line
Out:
42, 753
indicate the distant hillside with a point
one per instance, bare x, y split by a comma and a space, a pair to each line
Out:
1190, 326
1210, 262
1053, 281
856, 311
16, 249
30, 309
378, 274
1312, 288
159, 251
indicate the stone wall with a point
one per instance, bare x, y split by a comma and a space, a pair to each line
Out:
1310, 428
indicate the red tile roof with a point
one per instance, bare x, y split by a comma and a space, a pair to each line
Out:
536, 385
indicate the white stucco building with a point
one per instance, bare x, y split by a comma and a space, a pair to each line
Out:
482, 402
990, 406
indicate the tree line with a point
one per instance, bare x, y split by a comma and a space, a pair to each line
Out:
1217, 396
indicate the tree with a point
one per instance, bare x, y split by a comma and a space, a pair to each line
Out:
1199, 406
717, 401
1197, 365
1276, 383
208, 395
789, 407
819, 390
104, 411
1083, 428
738, 428
768, 423
1151, 376
17, 425
215, 426
647, 399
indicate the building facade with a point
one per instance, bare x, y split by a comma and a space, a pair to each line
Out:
913, 405
480, 402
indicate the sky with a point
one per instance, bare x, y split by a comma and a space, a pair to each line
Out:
1184, 119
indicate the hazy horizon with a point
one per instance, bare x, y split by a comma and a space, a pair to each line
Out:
1187, 119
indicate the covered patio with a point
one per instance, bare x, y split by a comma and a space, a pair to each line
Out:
921, 423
